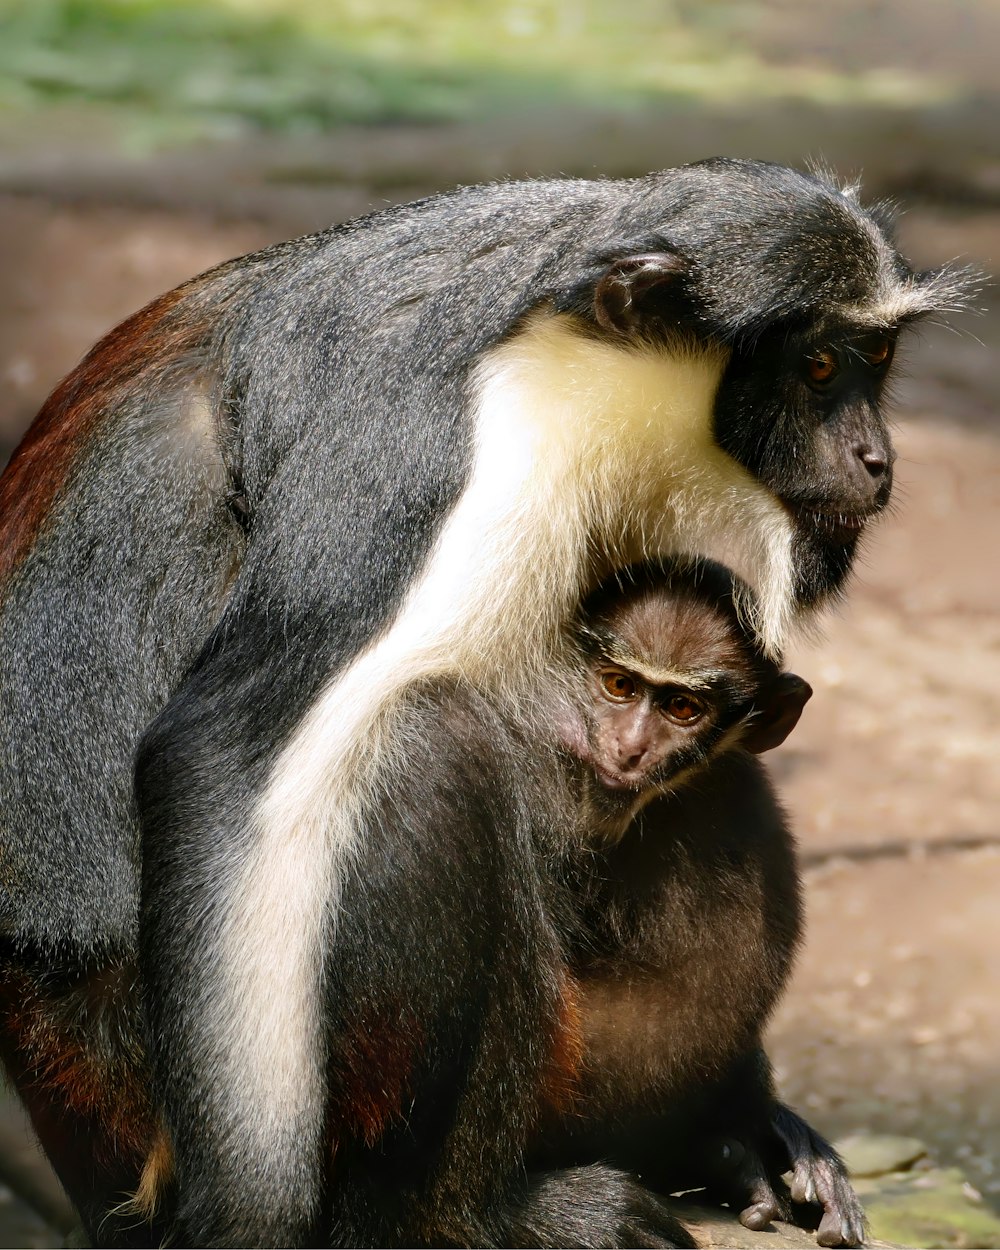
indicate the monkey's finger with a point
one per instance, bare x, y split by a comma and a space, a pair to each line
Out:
759, 1215
803, 1185
846, 1210
836, 1229
763, 1205
841, 1208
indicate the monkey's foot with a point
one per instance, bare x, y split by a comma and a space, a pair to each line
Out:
818, 1196
748, 1189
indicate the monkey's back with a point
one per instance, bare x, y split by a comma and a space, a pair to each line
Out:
229, 459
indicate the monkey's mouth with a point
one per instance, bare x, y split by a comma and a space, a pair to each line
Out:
832, 524
616, 782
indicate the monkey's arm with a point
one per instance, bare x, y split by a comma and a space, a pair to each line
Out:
249, 782
231, 1001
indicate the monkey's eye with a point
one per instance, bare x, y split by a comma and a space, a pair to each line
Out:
878, 352
684, 709
822, 368
618, 686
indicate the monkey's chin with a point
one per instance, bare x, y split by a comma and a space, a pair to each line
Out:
823, 558
609, 805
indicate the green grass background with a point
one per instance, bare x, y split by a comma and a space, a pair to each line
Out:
169, 71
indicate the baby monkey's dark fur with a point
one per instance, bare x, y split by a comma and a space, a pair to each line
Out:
679, 932
616, 924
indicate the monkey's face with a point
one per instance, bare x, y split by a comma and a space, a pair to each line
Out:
802, 411
648, 726
805, 292
646, 737
671, 677
641, 734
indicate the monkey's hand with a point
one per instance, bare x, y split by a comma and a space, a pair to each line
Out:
820, 1178
748, 1175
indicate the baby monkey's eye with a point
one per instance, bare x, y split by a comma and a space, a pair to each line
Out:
618, 686
821, 367
683, 708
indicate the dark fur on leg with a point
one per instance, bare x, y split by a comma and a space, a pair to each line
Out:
593, 1206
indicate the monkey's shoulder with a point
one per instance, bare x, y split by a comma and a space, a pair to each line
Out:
730, 812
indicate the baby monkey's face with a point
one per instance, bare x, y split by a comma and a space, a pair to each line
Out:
641, 731
670, 680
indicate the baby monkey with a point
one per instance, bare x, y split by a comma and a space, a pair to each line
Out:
588, 904
679, 904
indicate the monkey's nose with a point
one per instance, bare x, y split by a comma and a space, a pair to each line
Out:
630, 761
876, 462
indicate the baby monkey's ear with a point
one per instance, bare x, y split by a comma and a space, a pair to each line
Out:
773, 722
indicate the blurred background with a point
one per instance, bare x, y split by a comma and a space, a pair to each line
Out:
143, 140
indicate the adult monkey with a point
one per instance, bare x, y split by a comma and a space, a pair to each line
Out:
271, 500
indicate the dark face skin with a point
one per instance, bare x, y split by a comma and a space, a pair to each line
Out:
670, 680
826, 453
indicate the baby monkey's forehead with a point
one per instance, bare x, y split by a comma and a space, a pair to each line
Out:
671, 632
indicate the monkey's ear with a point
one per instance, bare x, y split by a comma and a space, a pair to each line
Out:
628, 287
777, 720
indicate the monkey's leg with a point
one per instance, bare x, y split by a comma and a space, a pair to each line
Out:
71, 1048
591, 1206
430, 1153
439, 1054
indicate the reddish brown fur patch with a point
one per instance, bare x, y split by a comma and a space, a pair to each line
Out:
564, 1067
372, 1077
120, 363
62, 1071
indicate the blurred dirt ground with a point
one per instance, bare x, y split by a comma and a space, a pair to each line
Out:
893, 1020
